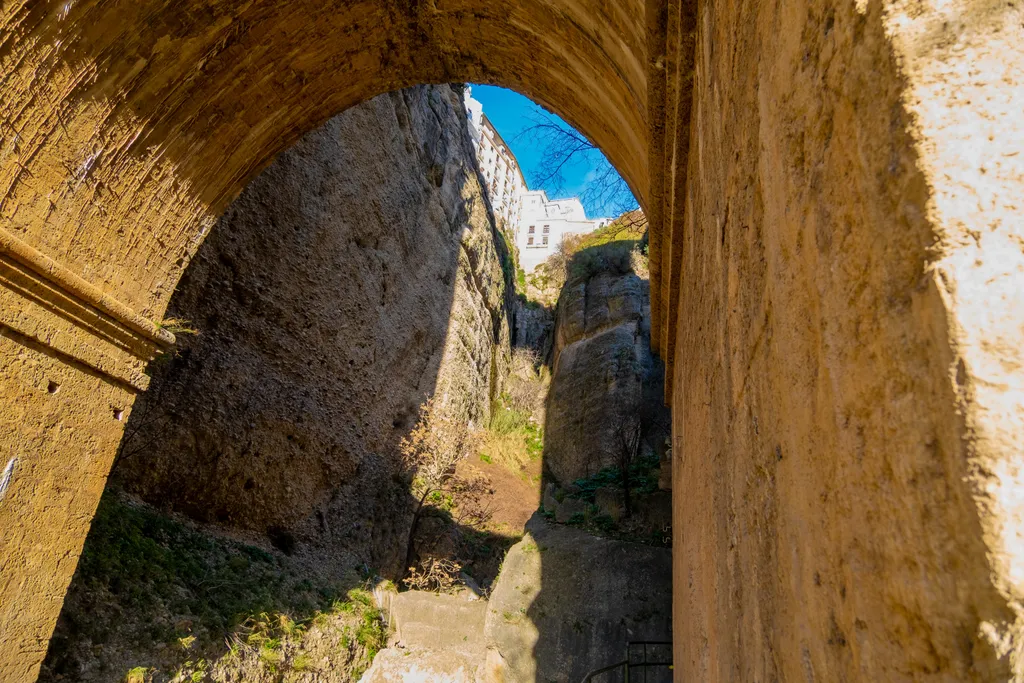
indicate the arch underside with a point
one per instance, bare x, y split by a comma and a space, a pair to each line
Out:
849, 360
128, 127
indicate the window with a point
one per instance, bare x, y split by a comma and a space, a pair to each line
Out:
531, 231
529, 241
547, 229
545, 240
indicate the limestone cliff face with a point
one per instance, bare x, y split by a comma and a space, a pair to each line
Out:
356, 276
603, 371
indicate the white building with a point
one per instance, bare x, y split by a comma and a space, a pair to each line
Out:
537, 223
543, 224
503, 180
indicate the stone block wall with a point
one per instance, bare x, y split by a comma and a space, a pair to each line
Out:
844, 460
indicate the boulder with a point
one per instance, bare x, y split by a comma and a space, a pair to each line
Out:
550, 501
395, 665
567, 602
603, 370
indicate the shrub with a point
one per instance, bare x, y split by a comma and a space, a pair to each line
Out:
371, 633
506, 420
436, 574
434, 447
609, 249
604, 523
639, 263
139, 674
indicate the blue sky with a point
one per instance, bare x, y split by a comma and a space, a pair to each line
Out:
510, 113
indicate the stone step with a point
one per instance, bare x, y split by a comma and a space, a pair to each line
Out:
416, 665
429, 621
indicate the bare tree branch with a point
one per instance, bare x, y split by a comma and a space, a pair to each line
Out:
563, 148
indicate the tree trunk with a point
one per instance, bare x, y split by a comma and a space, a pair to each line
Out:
410, 544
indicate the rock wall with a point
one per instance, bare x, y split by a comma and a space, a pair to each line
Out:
603, 371
566, 603
826, 471
354, 277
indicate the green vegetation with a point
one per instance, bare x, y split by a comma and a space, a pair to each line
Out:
508, 254
619, 247
505, 419
513, 438
636, 526
630, 227
177, 603
147, 560
643, 478
177, 326
137, 674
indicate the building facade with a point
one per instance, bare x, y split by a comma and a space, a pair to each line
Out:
503, 180
537, 223
545, 222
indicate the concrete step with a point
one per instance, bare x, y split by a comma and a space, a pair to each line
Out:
428, 621
416, 665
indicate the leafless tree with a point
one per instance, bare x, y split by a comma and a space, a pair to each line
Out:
628, 438
563, 147
431, 453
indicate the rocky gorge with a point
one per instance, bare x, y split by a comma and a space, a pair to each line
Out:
260, 493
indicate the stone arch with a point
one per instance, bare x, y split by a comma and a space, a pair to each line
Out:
143, 124
127, 128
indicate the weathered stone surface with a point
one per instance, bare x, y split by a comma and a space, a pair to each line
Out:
603, 374
534, 327
837, 252
284, 414
844, 251
395, 665
431, 621
127, 128
567, 602
549, 501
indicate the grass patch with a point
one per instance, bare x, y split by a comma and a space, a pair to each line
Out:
506, 420
175, 600
515, 448
513, 438
148, 560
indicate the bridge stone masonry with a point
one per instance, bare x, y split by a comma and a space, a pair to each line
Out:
837, 262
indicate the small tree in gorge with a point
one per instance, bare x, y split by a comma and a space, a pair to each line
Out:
430, 452
629, 433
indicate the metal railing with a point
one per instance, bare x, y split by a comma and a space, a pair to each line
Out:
628, 662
